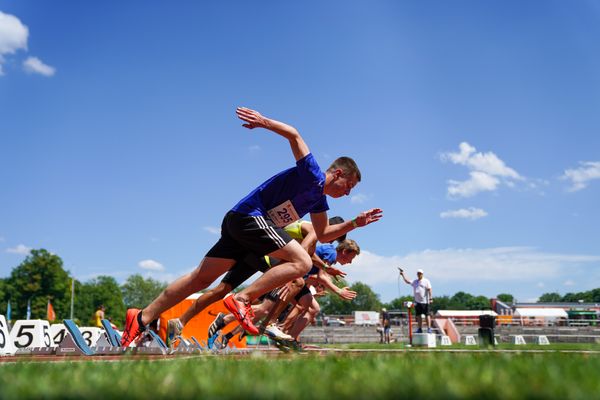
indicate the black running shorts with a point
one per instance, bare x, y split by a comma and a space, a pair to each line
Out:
421, 308
244, 269
304, 291
242, 234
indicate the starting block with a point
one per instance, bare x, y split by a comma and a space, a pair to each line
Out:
109, 341
424, 339
151, 343
73, 343
7, 348
184, 346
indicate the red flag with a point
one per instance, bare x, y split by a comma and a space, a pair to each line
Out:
51, 315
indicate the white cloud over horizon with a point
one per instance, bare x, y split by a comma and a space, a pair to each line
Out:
487, 171
20, 249
580, 177
498, 264
151, 265
34, 65
471, 213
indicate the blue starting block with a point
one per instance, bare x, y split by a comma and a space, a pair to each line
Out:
73, 343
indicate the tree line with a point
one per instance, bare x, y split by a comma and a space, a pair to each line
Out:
41, 277
591, 296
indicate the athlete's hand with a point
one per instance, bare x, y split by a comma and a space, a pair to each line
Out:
368, 217
252, 118
347, 294
284, 292
335, 272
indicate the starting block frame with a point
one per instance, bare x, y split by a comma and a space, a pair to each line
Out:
109, 341
154, 345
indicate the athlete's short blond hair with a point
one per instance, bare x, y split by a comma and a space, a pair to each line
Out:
348, 245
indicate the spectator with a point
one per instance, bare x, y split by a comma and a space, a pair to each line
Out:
386, 325
99, 316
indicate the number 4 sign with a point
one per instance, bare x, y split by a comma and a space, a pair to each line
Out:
6, 346
31, 333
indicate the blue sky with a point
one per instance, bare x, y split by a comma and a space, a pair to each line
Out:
475, 125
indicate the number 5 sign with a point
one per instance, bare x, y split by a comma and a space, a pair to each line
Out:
31, 333
6, 346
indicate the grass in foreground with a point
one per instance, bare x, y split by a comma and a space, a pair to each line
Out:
501, 346
406, 375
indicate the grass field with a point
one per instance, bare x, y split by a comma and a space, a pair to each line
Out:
411, 375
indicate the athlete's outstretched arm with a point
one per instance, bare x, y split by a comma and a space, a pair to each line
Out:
345, 293
326, 233
254, 119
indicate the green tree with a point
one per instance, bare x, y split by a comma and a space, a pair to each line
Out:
3, 295
550, 298
103, 290
440, 303
459, 301
575, 297
506, 298
138, 291
478, 303
38, 278
366, 300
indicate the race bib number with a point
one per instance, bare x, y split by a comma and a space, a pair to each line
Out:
284, 214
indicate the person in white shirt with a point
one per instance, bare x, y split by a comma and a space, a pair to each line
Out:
423, 298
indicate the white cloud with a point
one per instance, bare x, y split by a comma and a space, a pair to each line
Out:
540, 285
487, 171
513, 264
20, 249
13, 36
468, 213
151, 265
35, 66
212, 230
569, 282
359, 198
581, 176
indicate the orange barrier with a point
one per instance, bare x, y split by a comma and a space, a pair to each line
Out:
198, 326
504, 320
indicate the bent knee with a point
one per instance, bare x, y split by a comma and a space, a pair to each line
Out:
304, 264
298, 282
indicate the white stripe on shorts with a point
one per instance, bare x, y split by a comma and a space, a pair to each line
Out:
260, 220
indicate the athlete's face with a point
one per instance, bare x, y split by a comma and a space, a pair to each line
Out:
341, 184
345, 257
